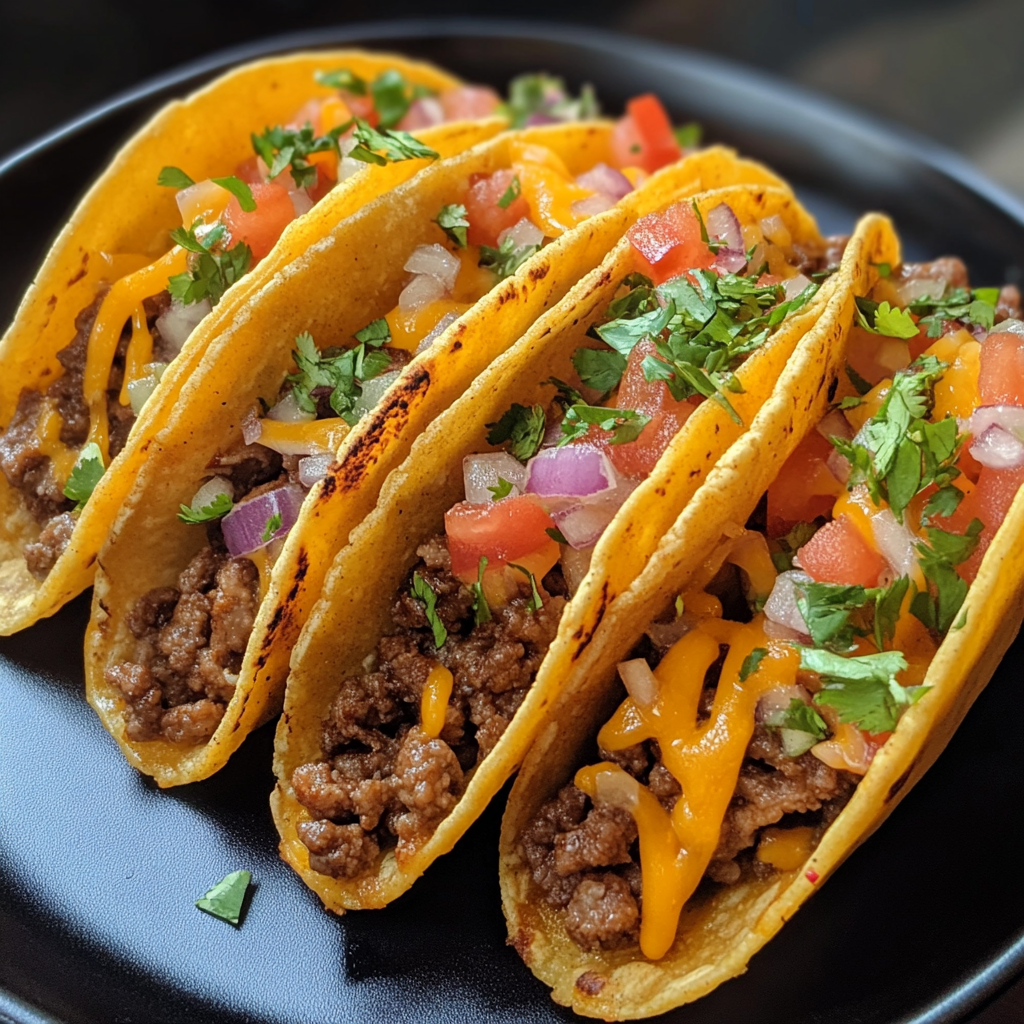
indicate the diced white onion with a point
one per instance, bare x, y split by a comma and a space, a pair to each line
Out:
793, 286
252, 428
419, 292
618, 789
774, 229
300, 201
347, 167
908, 291
523, 232
575, 566
640, 682
201, 195
1011, 326
479, 472
776, 701
288, 411
835, 424
436, 261
796, 742
139, 392
997, 448
373, 391
438, 329
212, 490
592, 205
781, 605
313, 468
180, 321
156, 369
1008, 417
895, 542
838, 466
582, 525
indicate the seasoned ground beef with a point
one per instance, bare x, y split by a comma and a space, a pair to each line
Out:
570, 839
190, 639
1008, 306
383, 782
826, 257
21, 459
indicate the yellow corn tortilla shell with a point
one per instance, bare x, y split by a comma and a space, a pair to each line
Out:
125, 211
354, 610
343, 281
718, 936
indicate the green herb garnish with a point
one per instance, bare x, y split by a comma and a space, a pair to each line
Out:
624, 425
688, 135
283, 148
452, 220
422, 591
239, 190
969, 307
507, 258
273, 524
173, 177
502, 490
937, 607
751, 662
799, 717
481, 609
85, 475
212, 269
385, 145
881, 318
511, 194
546, 94
535, 603
220, 506
523, 426
226, 898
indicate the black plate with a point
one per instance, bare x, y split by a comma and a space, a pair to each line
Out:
99, 870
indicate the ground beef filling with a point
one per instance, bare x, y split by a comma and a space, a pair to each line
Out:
584, 858
21, 459
383, 781
190, 639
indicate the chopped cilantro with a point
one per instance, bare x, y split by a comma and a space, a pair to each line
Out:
481, 609
624, 425
283, 148
977, 307
881, 318
375, 146
884, 269
835, 614
937, 606
599, 368
799, 717
273, 524
567, 394
507, 258
688, 135
173, 177
452, 220
343, 79
212, 269
511, 194
751, 662
392, 97
791, 544
556, 535
376, 333
502, 490
239, 190
862, 689
220, 506
422, 591
344, 373
226, 898
523, 426
679, 605
85, 475
547, 95
535, 603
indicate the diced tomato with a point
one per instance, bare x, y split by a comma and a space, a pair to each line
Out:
644, 137
876, 357
501, 531
805, 488
486, 218
989, 501
333, 112
261, 228
766, 279
362, 106
838, 553
249, 171
1001, 377
468, 102
669, 243
920, 344
652, 398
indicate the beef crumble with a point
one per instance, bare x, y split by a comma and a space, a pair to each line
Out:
22, 459
383, 781
190, 639
583, 855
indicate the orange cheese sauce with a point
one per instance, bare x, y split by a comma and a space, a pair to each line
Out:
437, 691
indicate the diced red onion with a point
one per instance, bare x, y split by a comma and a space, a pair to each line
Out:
438, 329
664, 634
777, 631
895, 542
998, 436
288, 411
245, 524
419, 292
640, 682
537, 118
795, 285
730, 261
553, 434
313, 468
618, 789
582, 525
779, 699
523, 232
781, 605
479, 472
424, 112
908, 291
574, 471
1009, 417
211, 490
723, 224
835, 424
436, 261
592, 205
179, 321
575, 566
301, 202
251, 427
838, 466
606, 180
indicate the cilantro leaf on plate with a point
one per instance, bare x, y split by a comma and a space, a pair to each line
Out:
226, 898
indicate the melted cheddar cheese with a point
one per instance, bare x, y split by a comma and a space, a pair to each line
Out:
437, 691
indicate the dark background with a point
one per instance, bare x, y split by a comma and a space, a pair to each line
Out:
953, 70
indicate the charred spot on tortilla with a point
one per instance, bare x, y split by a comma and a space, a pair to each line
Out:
832, 388
895, 788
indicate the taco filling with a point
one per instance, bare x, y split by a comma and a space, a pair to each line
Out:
64, 434
183, 672
755, 708
476, 614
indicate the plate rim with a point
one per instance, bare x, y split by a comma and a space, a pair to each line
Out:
1006, 964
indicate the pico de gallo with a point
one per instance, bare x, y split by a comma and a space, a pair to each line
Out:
755, 708
250, 497
479, 610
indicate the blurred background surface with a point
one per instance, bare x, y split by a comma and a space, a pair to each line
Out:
951, 69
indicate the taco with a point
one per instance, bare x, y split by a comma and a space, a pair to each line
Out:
454, 263
159, 253
795, 656
446, 625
